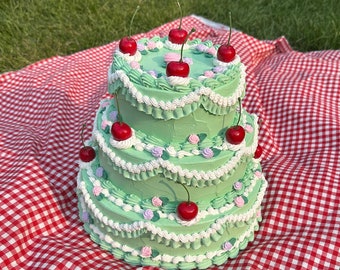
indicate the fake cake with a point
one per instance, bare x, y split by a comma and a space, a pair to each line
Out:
171, 177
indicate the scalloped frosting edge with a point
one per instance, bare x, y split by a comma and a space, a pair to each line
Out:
158, 163
86, 200
140, 205
195, 96
138, 139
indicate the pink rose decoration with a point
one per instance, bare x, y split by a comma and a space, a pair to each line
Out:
151, 45
146, 252
248, 128
105, 123
193, 139
211, 51
207, 153
227, 246
172, 57
157, 151
148, 214
134, 65
97, 190
239, 201
105, 104
258, 213
209, 74
156, 201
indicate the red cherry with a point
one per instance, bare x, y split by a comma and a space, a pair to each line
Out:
177, 68
128, 45
187, 210
87, 154
121, 131
235, 134
226, 53
258, 152
177, 35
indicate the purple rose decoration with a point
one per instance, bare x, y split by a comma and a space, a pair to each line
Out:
201, 47
140, 47
218, 69
85, 217
153, 73
227, 246
113, 115
188, 60
238, 185
207, 153
157, 151
148, 214
100, 172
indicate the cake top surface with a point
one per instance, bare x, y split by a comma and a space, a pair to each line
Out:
143, 78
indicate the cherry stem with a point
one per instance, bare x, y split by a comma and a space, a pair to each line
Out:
181, 12
119, 118
229, 28
133, 17
185, 41
82, 134
240, 106
186, 191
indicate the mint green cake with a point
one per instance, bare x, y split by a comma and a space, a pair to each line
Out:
176, 152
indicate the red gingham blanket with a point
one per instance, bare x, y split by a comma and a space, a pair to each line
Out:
296, 95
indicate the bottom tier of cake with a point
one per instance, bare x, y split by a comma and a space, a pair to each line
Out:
142, 234
163, 257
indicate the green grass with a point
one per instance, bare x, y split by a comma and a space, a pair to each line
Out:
31, 30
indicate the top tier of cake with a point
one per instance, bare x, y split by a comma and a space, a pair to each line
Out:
204, 102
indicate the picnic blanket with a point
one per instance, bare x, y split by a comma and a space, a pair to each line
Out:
296, 95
